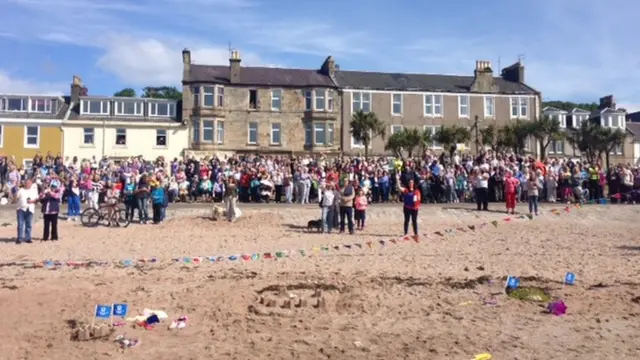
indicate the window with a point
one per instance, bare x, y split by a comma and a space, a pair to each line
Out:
208, 95
252, 133
196, 130
320, 99
162, 109
432, 105
31, 136
94, 107
489, 106
562, 119
329, 100
463, 106
43, 105
161, 137
121, 137
556, 147
276, 100
432, 129
396, 104
613, 121
14, 104
196, 96
27, 164
519, 107
330, 134
396, 129
253, 99
276, 134
308, 134
88, 136
361, 101
308, 100
207, 131
1, 136
618, 150
527, 141
219, 131
319, 133
134, 108
220, 94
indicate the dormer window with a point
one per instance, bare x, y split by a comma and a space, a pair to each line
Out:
318, 100
129, 107
164, 109
40, 105
94, 107
14, 104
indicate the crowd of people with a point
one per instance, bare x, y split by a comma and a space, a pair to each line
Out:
343, 186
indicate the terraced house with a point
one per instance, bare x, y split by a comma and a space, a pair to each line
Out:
120, 127
234, 108
31, 124
428, 102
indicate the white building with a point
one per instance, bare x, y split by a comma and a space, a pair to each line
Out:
121, 127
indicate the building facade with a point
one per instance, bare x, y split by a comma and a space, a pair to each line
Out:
30, 125
120, 127
431, 101
231, 109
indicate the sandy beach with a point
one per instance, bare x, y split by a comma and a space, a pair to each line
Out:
400, 300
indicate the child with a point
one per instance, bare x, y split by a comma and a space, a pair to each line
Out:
461, 185
361, 209
552, 184
533, 189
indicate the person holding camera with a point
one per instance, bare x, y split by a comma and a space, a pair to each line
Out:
50, 200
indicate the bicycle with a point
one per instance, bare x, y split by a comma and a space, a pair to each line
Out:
111, 212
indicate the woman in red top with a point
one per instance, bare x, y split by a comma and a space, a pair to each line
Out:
510, 188
411, 203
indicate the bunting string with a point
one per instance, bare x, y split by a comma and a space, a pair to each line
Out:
273, 255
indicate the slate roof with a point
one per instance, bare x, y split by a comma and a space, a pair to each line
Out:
553, 109
62, 107
634, 116
75, 112
421, 82
259, 76
634, 129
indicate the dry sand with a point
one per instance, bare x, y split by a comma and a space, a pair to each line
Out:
405, 301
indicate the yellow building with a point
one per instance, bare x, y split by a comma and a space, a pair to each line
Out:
31, 125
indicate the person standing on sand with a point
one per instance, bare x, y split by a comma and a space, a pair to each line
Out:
347, 194
230, 198
510, 186
533, 190
26, 198
411, 200
482, 190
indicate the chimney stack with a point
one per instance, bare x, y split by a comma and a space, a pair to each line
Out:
607, 102
186, 64
514, 72
483, 78
77, 89
234, 67
329, 67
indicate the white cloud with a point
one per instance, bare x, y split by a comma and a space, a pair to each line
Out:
142, 62
11, 85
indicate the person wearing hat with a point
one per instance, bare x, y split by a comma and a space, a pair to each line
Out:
50, 199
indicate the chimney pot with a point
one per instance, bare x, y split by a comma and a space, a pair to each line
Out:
234, 66
186, 56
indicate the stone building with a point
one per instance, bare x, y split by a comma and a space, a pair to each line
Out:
236, 109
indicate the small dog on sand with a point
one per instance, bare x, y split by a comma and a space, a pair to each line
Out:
314, 224
218, 212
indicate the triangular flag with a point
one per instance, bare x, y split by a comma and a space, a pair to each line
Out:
393, 241
461, 229
567, 209
337, 247
530, 216
439, 233
507, 219
358, 245
348, 246
246, 257
416, 238
381, 242
494, 223
302, 252
267, 255
472, 227
370, 244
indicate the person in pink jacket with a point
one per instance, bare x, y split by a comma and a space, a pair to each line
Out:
510, 185
361, 209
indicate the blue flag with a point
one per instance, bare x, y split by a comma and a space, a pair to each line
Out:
513, 282
103, 311
120, 310
570, 278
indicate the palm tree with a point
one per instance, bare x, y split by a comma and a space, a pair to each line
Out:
608, 140
450, 136
515, 135
545, 131
409, 139
585, 138
365, 127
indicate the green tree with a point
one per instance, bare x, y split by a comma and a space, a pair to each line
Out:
515, 135
409, 139
546, 130
607, 140
396, 144
126, 92
162, 92
450, 136
365, 127
568, 105
586, 139
489, 137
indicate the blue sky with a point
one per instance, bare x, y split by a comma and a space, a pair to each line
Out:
572, 50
